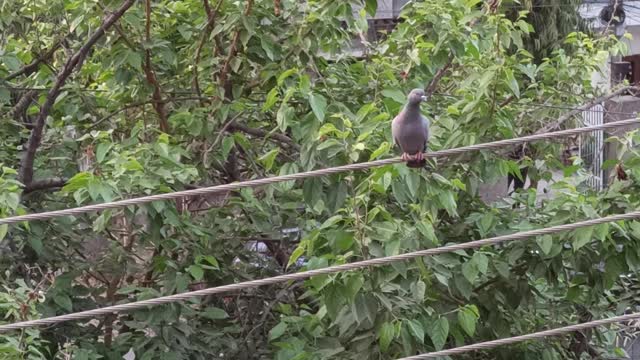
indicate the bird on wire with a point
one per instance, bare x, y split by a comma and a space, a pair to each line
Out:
410, 130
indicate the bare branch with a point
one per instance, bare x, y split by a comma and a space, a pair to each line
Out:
26, 165
264, 134
158, 104
211, 15
276, 7
45, 184
19, 110
433, 85
33, 66
233, 50
142, 103
556, 124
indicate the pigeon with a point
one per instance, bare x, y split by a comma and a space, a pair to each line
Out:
410, 130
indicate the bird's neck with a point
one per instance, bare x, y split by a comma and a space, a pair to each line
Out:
412, 109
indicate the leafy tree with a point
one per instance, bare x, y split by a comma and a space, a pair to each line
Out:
183, 94
551, 20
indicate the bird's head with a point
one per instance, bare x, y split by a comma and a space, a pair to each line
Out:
416, 96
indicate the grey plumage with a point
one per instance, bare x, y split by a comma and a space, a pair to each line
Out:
410, 130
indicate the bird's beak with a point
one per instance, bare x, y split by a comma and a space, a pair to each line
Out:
424, 98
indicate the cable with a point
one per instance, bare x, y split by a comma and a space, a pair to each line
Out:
313, 173
512, 340
186, 92
307, 274
541, 105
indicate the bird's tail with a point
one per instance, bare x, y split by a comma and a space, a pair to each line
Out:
417, 163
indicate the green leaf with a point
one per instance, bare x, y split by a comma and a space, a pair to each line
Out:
331, 221
78, 181
395, 94
34, 241
227, 145
426, 229
268, 48
101, 151
196, 271
413, 183
75, 23
470, 271
210, 259
284, 116
420, 290
371, 6
214, 313
382, 149
277, 331
601, 231
545, 242
295, 255
482, 262
415, 327
134, 59
12, 62
467, 318
318, 105
448, 201
272, 99
582, 236
512, 82
5, 95
268, 159
64, 301
3, 231
439, 332
285, 75
386, 335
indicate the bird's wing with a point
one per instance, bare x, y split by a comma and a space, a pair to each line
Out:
425, 124
395, 129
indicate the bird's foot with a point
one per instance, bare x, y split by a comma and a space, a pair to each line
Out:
406, 157
419, 156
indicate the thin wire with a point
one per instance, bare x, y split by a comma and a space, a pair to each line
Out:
72, 89
516, 339
585, 5
307, 274
314, 173
531, 104
542, 105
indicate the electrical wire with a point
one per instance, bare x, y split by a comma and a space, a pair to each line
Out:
516, 339
310, 273
313, 173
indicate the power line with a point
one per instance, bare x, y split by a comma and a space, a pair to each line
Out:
307, 274
516, 339
542, 105
313, 173
73, 89
183, 92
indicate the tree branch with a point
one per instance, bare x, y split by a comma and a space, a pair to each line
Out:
276, 7
26, 165
265, 134
21, 107
556, 124
45, 184
33, 66
158, 104
142, 103
433, 84
211, 16
233, 50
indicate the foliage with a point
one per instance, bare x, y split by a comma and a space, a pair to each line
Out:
552, 21
257, 88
